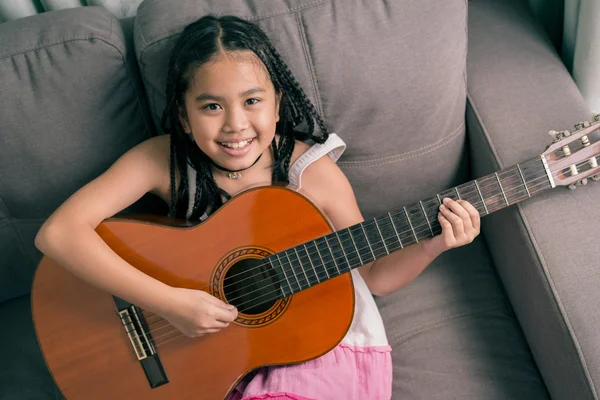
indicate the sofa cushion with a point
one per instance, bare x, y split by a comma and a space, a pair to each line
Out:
388, 77
70, 108
23, 372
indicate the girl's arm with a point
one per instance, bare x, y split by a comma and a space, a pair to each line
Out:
325, 184
70, 239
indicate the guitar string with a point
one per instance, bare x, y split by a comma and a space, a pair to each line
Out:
155, 339
163, 342
347, 240
315, 275
387, 222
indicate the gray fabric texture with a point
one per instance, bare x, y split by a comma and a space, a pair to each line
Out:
401, 112
70, 108
23, 373
545, 249
454, 336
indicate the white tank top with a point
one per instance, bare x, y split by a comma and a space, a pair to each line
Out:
367, 328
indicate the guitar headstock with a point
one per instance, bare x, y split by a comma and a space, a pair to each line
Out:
574, 157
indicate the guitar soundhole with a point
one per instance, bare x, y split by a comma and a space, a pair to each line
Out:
252, 286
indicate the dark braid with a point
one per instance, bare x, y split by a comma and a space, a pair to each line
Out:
199, 43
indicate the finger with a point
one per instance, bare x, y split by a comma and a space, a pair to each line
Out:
457, 208
455, 220
223, 315
217, 302
473, 213
447, 232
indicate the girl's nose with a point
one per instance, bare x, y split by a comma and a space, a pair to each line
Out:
235, 121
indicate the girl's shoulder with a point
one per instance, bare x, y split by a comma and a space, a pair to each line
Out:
156, 152
313, 157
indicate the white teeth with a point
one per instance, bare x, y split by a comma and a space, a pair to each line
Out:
238, 145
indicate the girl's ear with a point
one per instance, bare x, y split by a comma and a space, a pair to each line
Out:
183, 120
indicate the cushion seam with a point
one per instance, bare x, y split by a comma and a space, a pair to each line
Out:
309, 63
249, 18
61, 41
450, 319
404, 156
540, 258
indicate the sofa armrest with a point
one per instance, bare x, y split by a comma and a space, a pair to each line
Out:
545, 249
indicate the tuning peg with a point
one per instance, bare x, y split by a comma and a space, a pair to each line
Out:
555, 135
597, 117
581, 182
558, 136
595, 177
578, 126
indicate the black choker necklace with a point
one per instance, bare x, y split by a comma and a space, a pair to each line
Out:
234, 174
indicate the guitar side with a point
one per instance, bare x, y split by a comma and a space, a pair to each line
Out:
90, 354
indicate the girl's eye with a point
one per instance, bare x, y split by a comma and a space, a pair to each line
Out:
212, 107
252, 101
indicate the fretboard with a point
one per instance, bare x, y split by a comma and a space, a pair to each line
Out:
313, 262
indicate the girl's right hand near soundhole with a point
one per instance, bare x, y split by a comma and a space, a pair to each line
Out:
196, 313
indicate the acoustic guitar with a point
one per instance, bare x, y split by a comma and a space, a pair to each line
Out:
271, 253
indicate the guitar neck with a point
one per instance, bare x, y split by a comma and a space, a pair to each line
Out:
324, 258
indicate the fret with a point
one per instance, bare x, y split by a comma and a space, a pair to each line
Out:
457, 194
403, 228
411, 225
376, 237
329, 260
439, 199
321, 259
395, 231
501, 188
513, 186
480, 195
451, 194
314, 258
427, 219
536, 176
523, 178
355, 247
297, 289
337, 267
343, 251
432, 208
382, 237
491, 190
364, 249
285, 276
368, 242
301, 265
311, 264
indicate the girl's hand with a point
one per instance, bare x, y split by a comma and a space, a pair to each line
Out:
460, 225
195, 312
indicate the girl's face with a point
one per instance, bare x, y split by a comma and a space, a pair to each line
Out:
231, 109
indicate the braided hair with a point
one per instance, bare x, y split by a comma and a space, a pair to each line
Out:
198, 43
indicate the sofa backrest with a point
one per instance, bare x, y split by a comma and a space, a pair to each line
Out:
70, 107
388, 77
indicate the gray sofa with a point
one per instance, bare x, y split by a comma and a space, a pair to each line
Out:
427, 95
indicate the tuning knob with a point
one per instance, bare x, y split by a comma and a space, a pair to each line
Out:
558, 136
582, 182
581, 125
597, 117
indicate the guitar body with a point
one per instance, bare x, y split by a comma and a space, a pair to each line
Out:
90, 354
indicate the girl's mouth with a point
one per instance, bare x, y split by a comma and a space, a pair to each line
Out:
237, 148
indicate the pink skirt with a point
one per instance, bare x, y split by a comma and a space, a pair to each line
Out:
346, 372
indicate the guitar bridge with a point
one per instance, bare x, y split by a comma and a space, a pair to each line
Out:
136, 333
143, 345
